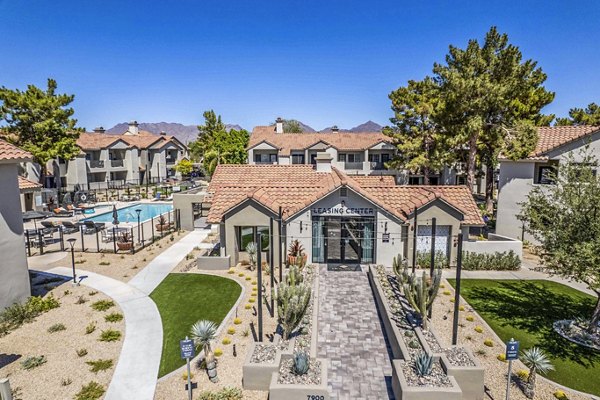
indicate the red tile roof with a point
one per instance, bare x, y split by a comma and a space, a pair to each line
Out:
286, 142
25, 184
552, 137
9, 152
143, 140
295, 187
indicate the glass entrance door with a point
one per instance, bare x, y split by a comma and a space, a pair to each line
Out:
343, 240
334, 240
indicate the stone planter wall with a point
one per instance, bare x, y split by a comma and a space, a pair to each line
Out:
257, 376
402, 391
469, 378
207, 263
279, 391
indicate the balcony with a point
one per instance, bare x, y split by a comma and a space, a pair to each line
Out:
353, 165
116, 163
377, 166
96, 163
171, 160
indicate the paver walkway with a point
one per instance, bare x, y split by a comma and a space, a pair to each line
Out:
150, 277
137, 368
352, 338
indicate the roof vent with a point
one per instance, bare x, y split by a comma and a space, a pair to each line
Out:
279, 125
99, 129
335, 129
133, 128
163, 133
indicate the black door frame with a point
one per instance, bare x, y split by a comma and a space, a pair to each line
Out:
343, 236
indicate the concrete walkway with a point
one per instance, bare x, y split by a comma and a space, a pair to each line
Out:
527, 272
351, 337
150, 277
137, 368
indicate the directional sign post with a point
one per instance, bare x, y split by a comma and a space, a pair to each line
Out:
512, 353
187, 352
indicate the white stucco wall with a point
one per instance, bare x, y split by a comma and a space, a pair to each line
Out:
14, 276
495, 243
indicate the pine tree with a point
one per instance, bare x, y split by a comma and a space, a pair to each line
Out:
580, 116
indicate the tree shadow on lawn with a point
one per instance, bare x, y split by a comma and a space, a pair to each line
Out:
533, 308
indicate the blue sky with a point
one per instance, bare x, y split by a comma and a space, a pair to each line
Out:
322, 62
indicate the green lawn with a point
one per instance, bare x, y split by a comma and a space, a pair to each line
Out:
183, 299
526, 310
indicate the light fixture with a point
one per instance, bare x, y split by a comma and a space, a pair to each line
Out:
301, 226
72, 244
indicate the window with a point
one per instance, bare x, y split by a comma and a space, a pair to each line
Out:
353, 158
461, 180
341, 157
385, 158
545, 175
297, 158
246, 235
343, 192
374, 158
414, 180
434, 180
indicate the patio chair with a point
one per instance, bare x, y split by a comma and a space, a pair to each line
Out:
69, 227
107, 235
49, 226
91, 227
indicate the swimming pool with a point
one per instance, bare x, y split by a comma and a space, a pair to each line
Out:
128, 214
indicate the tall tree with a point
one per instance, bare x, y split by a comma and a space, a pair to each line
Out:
492, 100
416, 134
582, 116
216, 145
40, 122
565, 219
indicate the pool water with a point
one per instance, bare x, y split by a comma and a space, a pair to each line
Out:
128, 214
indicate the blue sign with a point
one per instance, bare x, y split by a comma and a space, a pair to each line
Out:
512, 350
187, 348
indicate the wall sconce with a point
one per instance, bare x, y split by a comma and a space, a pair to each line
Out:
385, 227
343, 203
301, 226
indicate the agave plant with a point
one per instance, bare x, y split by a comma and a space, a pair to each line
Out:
301, 363
203, 332
423, 364
251, 250
537, 361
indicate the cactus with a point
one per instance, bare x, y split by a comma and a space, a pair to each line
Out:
292, 303
294, 277
401, 274
423, 364
420, 293
301, 363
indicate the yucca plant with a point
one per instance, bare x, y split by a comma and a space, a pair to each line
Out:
203, 332
420, 293
251, 250
537, 361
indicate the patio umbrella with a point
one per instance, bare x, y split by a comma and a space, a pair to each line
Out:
34, 215
115, 215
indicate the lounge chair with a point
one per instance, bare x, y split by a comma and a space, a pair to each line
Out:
62, 212
49, 226
91, 227
69, 227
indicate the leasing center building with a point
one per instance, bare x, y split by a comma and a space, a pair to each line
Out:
338, 219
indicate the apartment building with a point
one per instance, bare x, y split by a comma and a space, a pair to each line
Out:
134, 157
354, 153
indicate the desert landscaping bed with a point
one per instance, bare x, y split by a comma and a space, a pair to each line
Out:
74, 342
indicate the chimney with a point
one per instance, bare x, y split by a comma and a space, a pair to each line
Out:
324, 162
279, 125
163, 133
99, 129
133, 128
335, 129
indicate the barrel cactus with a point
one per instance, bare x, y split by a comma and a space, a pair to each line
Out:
301, 363
423, 364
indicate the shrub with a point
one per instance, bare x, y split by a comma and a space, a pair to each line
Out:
470, 318
218, 352
248, 278
91, 391
560, 395
81, 300
523, 374
16, 315
447, 293
81, 352
451, 300
442, 286
226, 341
227, 393
246, 332
113, 317
231, 271
241, 274
248, 306
184, 376
469, 337
91, 327
66, 382
103, 305
104, 263
110, 335
254, 283
237, 321
231, 330
251, 300
488, 342
254, 288
33, 362
501, 357
99, 365
93, 293
253, 294
498, 261
481, 352
424, 259
461, 308
478, 329
56, 328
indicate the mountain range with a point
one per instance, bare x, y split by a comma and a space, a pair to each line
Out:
187, 133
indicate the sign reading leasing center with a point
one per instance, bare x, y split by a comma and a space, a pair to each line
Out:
343, 210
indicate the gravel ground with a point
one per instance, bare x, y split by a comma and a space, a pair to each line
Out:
63, 363
229, 368
495, 370
121, 266
264, 353
312, 376
437, 377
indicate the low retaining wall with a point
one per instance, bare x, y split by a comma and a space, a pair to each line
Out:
495, 243
216, 263
279, 391
402, 391
257, 376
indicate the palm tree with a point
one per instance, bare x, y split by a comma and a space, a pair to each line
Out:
203, 332
537, 361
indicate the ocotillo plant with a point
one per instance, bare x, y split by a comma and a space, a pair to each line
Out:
292, 302
420, 293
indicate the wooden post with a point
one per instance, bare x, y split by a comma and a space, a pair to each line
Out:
414, 252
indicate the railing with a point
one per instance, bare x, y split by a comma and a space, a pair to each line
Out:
377, 165
116, 163
96, 163
353, 165
171, 160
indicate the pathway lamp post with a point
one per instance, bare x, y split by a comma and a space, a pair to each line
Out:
72, 244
